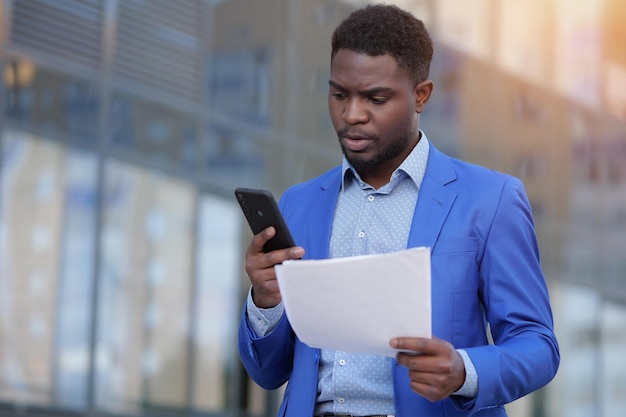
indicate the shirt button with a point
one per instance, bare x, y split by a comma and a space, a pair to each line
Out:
341, 400
370, 198
342, 362
361, 234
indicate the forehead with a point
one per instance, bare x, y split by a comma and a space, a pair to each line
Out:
354, 68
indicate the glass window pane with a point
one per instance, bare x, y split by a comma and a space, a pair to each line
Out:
143, 316
232, 157
574, 391
240, 85
75, 291
153, 132
56, 103
44, 291
218, 301
31, 221
613, 384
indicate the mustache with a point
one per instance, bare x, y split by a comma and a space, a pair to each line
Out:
355, 134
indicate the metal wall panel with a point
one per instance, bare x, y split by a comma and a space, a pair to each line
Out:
69, 29
159, 45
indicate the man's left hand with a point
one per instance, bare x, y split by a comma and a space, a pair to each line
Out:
436, 369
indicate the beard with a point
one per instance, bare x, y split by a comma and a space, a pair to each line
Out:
390, 151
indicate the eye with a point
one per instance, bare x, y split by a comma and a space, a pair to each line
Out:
377, 100
338, 95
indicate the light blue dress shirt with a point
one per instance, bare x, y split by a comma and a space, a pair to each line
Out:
367, 221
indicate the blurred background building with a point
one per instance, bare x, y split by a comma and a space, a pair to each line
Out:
125, 125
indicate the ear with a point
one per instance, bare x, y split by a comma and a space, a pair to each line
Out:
422, 93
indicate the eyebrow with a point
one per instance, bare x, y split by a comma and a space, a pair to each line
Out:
370, 92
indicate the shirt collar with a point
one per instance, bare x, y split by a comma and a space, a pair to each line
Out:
414, 166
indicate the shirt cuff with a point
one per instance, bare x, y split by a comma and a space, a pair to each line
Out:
470, 386
263, 320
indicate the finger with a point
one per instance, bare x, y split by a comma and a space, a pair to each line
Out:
425, 365
415, 362
274, 257
430, 392
445, 372
266, 288
261, 266
443, 363
256, 245
430, 372
413, 344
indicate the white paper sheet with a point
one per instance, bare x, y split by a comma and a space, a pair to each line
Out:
358, 304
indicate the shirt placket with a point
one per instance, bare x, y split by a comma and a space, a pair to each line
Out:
363, 226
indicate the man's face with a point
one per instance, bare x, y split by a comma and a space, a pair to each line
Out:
374, 108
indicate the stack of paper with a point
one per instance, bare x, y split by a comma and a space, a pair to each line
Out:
358, 304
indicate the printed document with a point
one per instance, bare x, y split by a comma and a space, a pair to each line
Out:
358, 304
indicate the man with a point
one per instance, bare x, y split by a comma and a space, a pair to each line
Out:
395, 190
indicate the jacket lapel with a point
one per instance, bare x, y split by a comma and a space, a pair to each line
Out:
323, 212
434, 201
433, 205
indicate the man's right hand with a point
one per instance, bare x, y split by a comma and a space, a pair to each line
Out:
260, 268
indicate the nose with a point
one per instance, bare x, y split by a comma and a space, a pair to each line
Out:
355, 112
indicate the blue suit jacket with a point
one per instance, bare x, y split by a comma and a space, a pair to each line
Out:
485, 269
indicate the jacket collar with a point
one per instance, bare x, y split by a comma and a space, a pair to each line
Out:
433, 205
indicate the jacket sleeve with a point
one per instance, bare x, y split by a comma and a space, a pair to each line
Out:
524, 355
268, 359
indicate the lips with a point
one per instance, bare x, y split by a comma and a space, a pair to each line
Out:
355, 142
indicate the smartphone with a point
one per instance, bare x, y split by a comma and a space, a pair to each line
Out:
261, 211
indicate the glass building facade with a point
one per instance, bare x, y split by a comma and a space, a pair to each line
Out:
125, 126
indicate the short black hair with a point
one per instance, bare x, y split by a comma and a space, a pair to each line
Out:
387, 30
